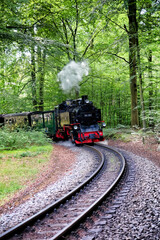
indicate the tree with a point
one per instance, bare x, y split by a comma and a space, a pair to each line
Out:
148, 18
41, 73
133, 35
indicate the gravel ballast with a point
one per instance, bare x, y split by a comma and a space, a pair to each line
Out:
138, 217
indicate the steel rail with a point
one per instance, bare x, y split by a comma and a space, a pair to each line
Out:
96, 203
21, 226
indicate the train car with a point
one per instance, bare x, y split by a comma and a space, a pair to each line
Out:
16, 120
35, 120
44, 120
79, 120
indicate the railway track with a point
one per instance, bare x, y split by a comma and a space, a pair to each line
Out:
67, 213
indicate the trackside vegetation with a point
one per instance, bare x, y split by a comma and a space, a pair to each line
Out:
127, 134
23, 156
20, 138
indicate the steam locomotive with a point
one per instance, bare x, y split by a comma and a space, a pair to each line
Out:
77, 120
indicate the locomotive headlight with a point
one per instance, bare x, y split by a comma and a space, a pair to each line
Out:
87, 101
103, 125
75, 127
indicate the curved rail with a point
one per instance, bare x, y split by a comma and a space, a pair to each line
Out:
99, 200
20, 227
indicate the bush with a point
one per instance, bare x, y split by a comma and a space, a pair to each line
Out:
16, 139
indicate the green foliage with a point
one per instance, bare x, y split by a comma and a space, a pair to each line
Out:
77, 30
21, 139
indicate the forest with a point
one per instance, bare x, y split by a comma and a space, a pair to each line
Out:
116, 44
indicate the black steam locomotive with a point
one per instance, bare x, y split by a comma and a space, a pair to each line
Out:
77, 120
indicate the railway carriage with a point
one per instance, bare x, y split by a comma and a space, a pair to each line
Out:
77, 120
34, 120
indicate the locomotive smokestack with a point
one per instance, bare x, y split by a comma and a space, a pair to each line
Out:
84, 97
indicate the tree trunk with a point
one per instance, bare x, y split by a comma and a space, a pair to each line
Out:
149, 25
2, 73
119, 113
41, 73
141, 87
33, 76
132, 60
151, 120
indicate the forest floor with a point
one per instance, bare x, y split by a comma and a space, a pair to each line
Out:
149, 149
62, 160
144, 144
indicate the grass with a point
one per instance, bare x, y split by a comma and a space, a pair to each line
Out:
18, 167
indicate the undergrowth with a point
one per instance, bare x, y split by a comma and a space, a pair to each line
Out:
20, 138
127, 134
120, 132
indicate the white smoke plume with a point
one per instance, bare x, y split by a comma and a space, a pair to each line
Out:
71, 75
